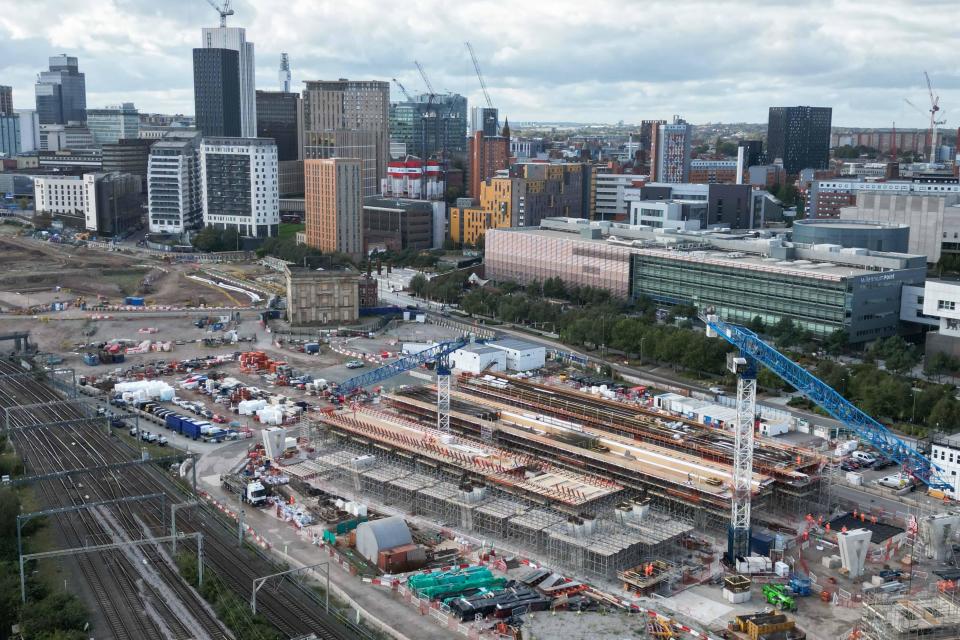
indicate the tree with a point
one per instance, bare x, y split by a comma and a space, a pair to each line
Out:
207, 240
418, 285
944, 415
836, 342
554, 288
756, 324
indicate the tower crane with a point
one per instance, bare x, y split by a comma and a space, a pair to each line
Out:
934, 123
426, 80
439, 353
753, 351
224, 11
476, 66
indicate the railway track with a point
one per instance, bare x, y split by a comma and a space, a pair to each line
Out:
292, 608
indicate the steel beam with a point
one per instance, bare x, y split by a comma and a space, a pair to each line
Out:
26, 517
259, 582
103, 467
67, 423
107, 547
173, 520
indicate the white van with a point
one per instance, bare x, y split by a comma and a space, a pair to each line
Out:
896, 481
863, 457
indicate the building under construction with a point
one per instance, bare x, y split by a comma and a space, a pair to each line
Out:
684, 467
578, 520
933, 616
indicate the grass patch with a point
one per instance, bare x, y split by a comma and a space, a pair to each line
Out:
127, 280
289, 230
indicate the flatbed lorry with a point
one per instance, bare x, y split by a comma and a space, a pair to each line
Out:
250, 490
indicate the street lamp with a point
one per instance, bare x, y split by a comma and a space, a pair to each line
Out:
642, 340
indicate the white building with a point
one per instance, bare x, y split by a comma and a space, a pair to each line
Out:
668, 214
240, 185
520, 355
611, 194
476, 358
58, 137
173, 184
59, 194
945, 453
235, 38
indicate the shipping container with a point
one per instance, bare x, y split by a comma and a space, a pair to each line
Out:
190, 429
91, 359
133, 301
173, 421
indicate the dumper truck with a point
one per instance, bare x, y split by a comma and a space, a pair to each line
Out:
250, 490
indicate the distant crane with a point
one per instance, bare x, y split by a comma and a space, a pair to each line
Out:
476, 66
426, 80
934, 123
404, 91
284, 73
224, 11
430, 113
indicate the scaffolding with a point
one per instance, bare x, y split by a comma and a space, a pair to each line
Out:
610, 544
928, 616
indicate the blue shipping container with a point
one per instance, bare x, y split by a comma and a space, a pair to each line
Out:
189, 429
133, 301
173, 421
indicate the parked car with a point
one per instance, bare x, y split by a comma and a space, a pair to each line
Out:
849, 465
719, 391
354, 364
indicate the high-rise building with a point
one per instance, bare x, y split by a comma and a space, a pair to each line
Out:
112, 202
6, 100
486, 119
430, 124
114, 123
800, 136
486, 156
673, 151
279, 116
173, 183
749, 154
333, 204
216, 92
9, 134
239, 185
62, 92
648, 134
235, 39
130, 156
29, 130
349, 119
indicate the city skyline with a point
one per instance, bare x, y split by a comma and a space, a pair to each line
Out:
542, 62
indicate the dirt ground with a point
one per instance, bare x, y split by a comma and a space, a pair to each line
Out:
34, 272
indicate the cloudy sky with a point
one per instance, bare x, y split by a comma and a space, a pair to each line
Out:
547, 60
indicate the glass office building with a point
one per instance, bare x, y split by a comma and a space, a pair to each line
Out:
819, 297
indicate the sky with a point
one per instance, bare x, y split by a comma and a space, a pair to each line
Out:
599, 61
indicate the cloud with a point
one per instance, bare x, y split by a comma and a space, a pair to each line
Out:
609, 60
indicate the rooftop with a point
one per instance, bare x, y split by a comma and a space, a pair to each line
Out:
821, 270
